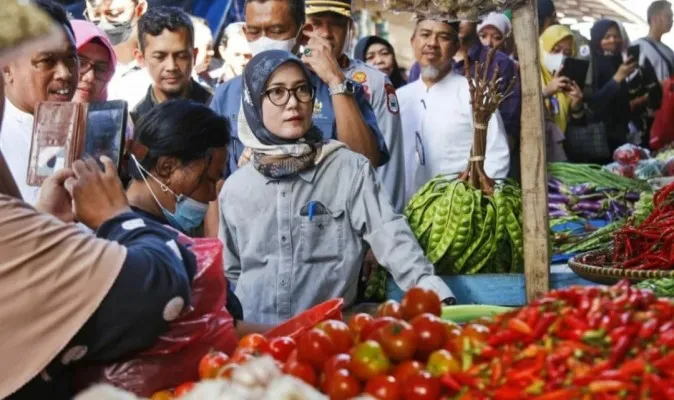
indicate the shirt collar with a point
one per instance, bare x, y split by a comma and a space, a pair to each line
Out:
307, 176
125, 69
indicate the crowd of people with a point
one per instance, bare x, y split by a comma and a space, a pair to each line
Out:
298, 155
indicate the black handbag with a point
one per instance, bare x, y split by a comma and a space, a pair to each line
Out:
587, 143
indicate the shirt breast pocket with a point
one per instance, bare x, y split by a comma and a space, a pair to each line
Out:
322, 237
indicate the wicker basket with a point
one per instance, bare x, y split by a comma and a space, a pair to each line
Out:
595, 266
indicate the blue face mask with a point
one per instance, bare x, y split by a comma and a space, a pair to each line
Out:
189, 213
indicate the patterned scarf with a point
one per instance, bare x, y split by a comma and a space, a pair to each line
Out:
273, 156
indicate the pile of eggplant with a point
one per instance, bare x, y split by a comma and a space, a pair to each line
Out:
587, 201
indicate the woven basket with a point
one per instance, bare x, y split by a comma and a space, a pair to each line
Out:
594, 267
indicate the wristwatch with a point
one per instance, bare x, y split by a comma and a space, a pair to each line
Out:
346, 87
449, 301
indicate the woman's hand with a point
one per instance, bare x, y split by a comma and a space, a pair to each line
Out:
576, 95
625, 70
557, 84
97, 195
54, 198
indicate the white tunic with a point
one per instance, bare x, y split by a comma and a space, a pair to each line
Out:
15, 138
129, 83
438, 132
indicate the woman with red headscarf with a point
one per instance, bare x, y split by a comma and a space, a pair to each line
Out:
97, 62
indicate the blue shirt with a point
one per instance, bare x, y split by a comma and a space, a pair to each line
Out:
227, 102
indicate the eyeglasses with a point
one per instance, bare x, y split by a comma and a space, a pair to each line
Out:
280, 96
101, 70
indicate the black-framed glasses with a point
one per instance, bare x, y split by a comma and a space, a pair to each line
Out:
101, 70
279, 95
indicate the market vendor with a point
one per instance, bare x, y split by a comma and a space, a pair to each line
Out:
296, 218
179, 157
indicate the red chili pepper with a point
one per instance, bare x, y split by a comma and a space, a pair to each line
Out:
575, 323
561, 394
519, 326
503, 337
667, 326
666, 362
508, 393
595, 371
620, 349
450, 382
648, 328
658, 386
530, 372
633, 367
667, 339
628, 331
573, 335
466, 380
496, 372
607, 386
544, 323
488, 352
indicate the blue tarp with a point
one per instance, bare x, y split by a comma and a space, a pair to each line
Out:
575, 228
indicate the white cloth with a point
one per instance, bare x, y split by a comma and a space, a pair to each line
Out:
129, 83
498, 21
442, 117
15, 138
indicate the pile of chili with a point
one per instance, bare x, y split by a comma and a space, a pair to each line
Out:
577, 343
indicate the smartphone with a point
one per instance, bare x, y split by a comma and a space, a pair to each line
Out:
576, 70
634, 52
106, 128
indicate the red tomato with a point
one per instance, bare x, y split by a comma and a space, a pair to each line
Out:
163, 395
442, 362
384, 387
339, 333
406, 369
476, 331
390, 308
341, 385
183, 389
420, 301
281, 347
357, 322
421, 386
453, 339
374, 325
211, 363
227, 370
256, 342
301, 370
314, 347
398, 340
430, 334
369, 360
338, 361
243, 354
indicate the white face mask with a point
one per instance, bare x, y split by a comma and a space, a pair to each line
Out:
264, 43
553, 62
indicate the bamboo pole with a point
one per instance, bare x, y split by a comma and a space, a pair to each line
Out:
532, 151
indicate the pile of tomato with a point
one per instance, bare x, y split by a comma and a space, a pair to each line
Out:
577, 343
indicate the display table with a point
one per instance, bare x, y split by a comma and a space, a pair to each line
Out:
497, 289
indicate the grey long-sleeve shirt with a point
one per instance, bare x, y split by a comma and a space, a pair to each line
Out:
283, 262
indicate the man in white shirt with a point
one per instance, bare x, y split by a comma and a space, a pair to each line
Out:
119, 20
659, 54
50, 74
437, 115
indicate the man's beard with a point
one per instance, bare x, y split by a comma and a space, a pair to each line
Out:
433, 73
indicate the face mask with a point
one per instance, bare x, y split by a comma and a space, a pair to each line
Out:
189, 213
118, 32
553, 62
264, 43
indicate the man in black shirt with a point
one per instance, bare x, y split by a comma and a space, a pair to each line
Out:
166, 49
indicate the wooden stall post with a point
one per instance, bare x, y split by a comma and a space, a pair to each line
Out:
533, 162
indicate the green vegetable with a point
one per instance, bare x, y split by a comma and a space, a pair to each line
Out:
576, 174
663, 287
470, 312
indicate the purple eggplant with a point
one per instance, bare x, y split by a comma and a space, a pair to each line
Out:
558, 198
592, 206
585, 188
557, 213
632, 196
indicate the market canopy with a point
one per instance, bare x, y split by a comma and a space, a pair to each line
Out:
590, 10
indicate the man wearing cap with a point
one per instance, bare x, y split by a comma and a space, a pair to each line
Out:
436, 112
331, 20
341, 110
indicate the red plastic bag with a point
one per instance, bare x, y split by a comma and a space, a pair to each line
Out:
662, 131
331, 309
174, 359
629, 154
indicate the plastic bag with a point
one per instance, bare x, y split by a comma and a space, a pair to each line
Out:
668, 168
331, 309
647, 169
629, 154
174, 359
620, 169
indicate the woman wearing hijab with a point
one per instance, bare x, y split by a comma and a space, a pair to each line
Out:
296, 217
610, 99
563, 97
379, 53
97, 62
494, 30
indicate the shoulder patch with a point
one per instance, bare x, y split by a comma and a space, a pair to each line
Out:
584, 50
391, 99
360, 77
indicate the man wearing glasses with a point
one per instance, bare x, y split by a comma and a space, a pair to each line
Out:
50, 74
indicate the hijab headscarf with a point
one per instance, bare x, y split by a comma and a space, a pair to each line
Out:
499, 21
274, 156
360, 53
549, 38
603, 66
86, 32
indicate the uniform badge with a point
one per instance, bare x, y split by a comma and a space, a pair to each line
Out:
360, 77
318, 107
391, 99
584, 51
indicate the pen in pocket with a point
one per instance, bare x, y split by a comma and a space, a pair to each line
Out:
312, 210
